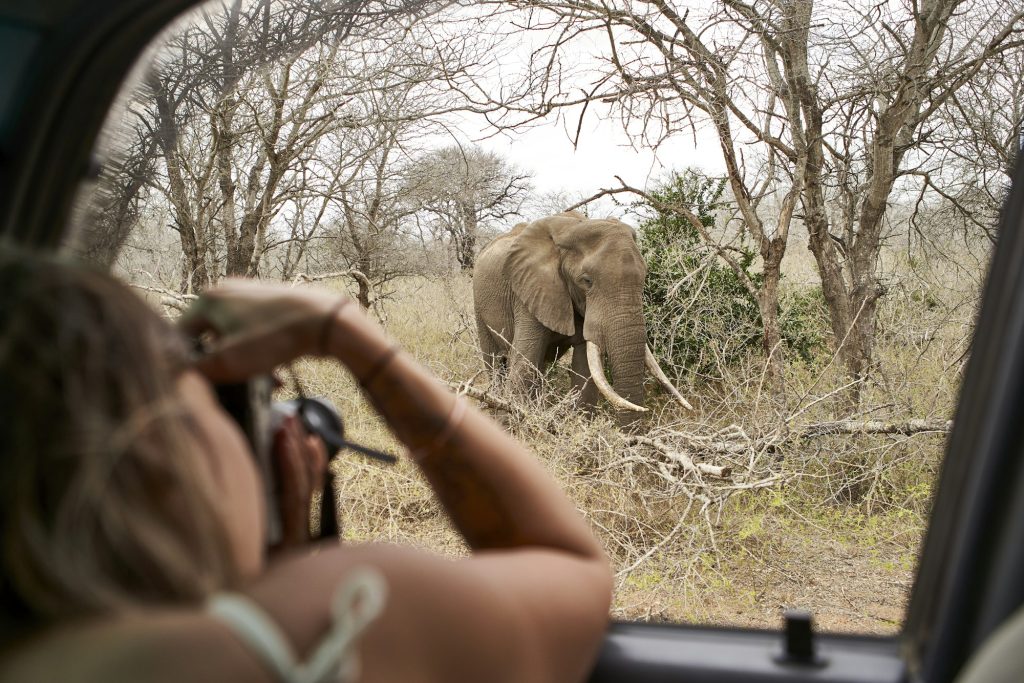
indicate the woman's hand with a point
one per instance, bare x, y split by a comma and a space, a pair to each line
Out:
300, 461
258, 326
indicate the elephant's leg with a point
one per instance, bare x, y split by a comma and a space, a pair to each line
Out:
529, 350
493, 352
526, 361
581, 378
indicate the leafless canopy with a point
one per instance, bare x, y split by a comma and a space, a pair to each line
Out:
825, 112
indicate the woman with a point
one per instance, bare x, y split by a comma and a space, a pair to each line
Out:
133, 520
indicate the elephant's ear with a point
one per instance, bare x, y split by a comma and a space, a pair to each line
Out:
533, 269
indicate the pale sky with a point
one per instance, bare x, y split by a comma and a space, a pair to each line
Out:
604, 151
545, 150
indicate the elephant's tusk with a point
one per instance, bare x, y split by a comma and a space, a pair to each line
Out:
659, 374
598, 376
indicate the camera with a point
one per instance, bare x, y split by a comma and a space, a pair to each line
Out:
252, 406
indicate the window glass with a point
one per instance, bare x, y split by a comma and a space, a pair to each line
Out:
810, 229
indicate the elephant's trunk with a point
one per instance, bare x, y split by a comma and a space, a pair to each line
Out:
615, 323
626, 345
659, 374
601, 381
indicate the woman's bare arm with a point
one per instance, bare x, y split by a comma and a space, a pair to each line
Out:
530, 604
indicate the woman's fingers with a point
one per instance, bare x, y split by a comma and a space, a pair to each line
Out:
292, 484
194, 321
250, 328
243, 355
301, 464
316, 460
212, 313
247, 307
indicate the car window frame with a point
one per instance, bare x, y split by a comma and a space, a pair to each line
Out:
74, 73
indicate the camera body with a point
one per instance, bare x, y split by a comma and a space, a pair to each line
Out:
249, 404
252, 406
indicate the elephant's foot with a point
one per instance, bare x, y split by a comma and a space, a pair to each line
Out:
630, 422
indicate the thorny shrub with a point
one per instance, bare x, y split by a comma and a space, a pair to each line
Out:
700, 315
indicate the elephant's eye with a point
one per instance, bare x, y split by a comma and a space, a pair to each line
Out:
587, 280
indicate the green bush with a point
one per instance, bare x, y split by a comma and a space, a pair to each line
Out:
804, 322
700, 316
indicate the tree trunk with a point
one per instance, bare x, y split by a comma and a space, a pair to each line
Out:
190, 230
244, 259
222, 123
851, 309
768, 303
851, 319
195, 276
365, 266
852, 344
852, 296
465, 243
363, 295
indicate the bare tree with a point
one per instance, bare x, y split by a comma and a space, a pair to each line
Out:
232, 133
233, 111
979, 135
465, 189
824, 108
373, 230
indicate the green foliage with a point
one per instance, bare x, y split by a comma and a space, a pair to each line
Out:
698, 311
804, 322
700, 315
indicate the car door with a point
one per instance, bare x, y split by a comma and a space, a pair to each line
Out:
63, 61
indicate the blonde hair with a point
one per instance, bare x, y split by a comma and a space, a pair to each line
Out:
105, 505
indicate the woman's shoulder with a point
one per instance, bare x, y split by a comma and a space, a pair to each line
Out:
157, 646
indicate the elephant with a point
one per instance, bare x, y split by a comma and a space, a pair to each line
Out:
561, 282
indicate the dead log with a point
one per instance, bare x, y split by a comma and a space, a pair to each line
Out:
351, 272
485, 397
681, 458
907, 428
169, 298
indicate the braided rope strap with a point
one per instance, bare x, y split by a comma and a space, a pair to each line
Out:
356, 603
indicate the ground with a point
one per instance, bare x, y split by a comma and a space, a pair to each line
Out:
843, 584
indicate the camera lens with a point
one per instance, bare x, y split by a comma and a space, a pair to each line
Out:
317, 417
321, 418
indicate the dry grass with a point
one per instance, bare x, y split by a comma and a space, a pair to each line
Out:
837, 533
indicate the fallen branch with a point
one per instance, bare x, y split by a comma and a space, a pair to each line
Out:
681, 458
485, 397
178, 296
733, 440
176, 304
168, 298
306, 277
907, 428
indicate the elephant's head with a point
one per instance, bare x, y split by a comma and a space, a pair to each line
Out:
569, 270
